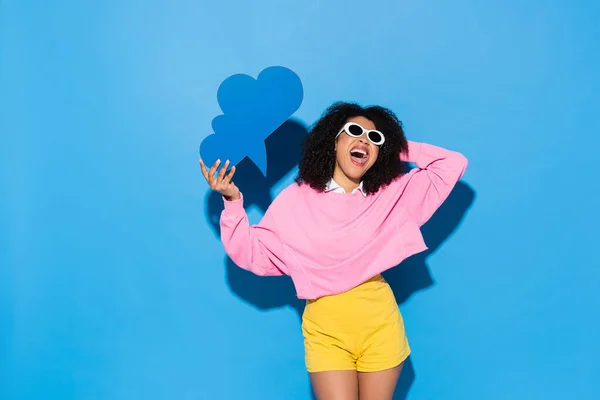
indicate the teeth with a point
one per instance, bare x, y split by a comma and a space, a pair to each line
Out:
364, 153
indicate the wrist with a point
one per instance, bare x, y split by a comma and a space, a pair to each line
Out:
233, 197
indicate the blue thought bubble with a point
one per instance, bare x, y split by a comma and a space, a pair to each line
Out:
252, 110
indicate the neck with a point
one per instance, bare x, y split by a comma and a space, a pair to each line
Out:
345, 182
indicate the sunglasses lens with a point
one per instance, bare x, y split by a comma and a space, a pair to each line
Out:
355, 130
375, 137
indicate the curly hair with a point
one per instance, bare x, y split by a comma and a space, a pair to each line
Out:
319, 157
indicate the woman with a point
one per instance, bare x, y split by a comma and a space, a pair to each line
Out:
351, 214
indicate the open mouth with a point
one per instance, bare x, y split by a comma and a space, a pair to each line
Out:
359, 155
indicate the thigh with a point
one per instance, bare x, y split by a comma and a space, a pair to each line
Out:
378, 385
335, 385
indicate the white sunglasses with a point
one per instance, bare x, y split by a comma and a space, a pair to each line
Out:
355, 130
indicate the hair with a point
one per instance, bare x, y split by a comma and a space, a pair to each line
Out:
319, 156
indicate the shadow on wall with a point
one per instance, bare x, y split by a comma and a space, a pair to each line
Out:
283, 154
413, 275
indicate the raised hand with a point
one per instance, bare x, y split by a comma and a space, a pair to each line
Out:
221, 182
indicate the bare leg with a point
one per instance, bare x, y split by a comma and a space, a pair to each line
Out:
378, 385
335, 385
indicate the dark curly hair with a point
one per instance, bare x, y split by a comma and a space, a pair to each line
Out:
319, 158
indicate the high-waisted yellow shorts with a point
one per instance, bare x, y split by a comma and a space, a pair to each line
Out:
361, 329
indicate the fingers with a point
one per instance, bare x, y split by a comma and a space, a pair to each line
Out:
211, 172
222, 179
208, 174
203, 169
229, 176
222, 171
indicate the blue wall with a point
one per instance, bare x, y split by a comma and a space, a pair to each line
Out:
113, 282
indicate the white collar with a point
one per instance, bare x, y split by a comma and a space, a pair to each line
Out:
332, 186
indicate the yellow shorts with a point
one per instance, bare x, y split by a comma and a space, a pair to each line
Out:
361, 329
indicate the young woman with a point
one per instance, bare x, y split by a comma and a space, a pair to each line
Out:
351, 214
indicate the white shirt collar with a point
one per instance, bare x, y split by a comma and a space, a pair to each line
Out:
332, 186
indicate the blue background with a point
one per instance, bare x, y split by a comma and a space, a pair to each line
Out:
113, 283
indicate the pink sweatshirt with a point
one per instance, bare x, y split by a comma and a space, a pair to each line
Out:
331, 242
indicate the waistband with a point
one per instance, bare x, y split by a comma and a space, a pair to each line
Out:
374, 283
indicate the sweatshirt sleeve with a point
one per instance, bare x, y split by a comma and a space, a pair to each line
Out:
438, 170
256, 248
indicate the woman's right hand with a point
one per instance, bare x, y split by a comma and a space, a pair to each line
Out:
221, 183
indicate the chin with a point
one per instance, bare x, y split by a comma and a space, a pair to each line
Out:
356, 175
